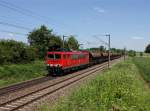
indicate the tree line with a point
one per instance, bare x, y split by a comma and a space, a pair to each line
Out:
147, 49
16, 52
39, 40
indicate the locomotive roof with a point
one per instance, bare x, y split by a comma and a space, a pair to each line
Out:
69, 52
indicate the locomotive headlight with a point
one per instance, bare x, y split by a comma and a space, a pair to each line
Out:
57, 65
60, 65
51, 65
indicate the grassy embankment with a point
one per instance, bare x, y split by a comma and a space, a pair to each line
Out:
144, 67
14, 73
118, 89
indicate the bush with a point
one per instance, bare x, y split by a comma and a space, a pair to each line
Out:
16, 52
14, 73
131, 53
141, 53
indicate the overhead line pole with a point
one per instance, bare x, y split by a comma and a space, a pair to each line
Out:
124, 53
108, 44
108, 35
80, 45
64, 41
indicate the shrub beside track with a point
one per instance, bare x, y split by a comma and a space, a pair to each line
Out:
10, 74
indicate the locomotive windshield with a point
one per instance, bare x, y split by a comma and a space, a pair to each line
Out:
54, 56
51, 56
57, 56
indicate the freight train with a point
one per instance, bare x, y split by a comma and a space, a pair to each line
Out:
60, 62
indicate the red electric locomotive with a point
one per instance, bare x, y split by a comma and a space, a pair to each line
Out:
59, 62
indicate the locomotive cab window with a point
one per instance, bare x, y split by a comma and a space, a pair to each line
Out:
57, 56
51, 56
74, 57
54, 56
82, 56
65, 56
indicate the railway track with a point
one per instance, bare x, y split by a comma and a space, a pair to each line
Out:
20, 102
19, 86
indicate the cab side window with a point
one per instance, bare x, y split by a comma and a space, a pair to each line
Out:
57, 56
82, 56
68, 56
74, 57
65, 56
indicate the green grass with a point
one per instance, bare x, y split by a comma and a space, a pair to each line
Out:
146, 55
10, 74
118, 89
143, 65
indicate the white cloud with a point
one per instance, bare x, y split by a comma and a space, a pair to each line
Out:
11, 35
99, 10
137, 38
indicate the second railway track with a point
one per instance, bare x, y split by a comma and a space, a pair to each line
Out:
19, 86
21, 101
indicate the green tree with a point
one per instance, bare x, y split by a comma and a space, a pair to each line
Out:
55, 40
42, 38
141, 54
132, 53
147, 49
102, 48
28, 54
73, 43
2, 56
15, 52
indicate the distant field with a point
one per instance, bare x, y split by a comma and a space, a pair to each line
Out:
118, 89
10, 74
143, 64
146, 54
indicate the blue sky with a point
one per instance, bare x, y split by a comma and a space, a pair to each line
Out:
126, 20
